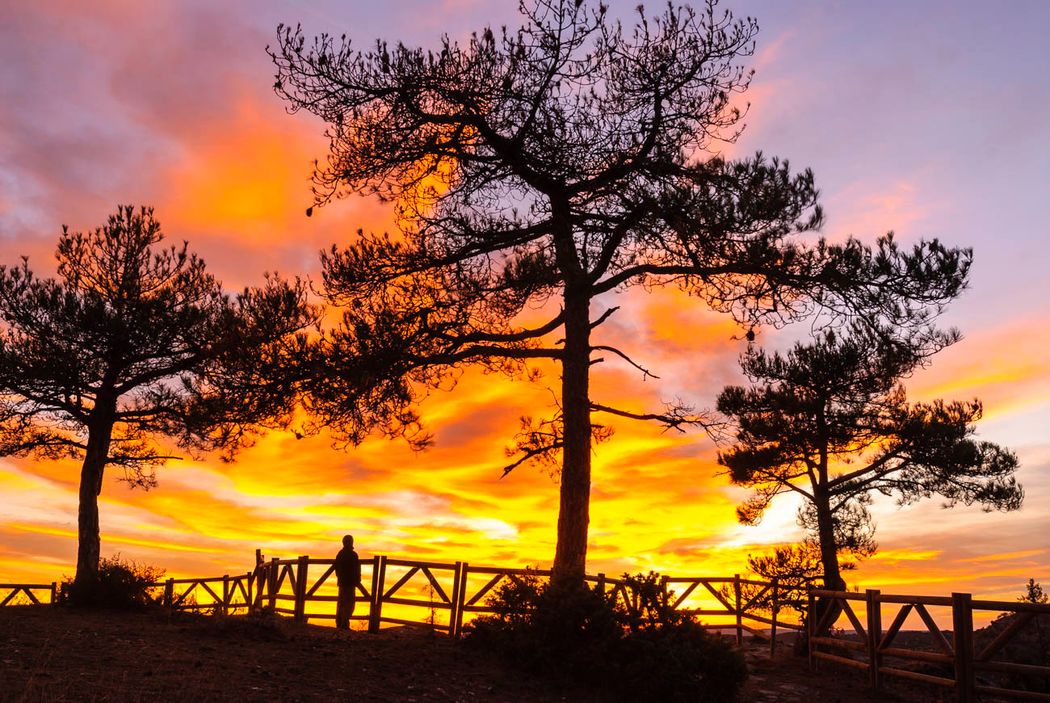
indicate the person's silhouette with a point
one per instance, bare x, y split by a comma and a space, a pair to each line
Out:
348, 575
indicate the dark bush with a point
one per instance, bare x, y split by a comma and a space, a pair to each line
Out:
121, 585
678, 662
639, 651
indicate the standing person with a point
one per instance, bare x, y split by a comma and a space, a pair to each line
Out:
348, 575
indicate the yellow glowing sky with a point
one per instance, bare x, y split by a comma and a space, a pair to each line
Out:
171, 107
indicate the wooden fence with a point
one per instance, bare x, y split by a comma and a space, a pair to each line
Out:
959, 656
442, 596
221, 594
29, 592
730, 600
447, 594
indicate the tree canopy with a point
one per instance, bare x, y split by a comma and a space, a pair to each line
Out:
830, 422
537, 169
135, 347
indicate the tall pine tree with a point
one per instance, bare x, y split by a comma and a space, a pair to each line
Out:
542, 168
135, 347
830, 422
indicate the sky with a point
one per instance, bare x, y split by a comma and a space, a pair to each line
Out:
924, 118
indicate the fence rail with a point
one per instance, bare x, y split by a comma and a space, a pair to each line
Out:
395, 591
221, 594
959, 658
10, 592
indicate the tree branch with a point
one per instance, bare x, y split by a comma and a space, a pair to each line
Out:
617, 352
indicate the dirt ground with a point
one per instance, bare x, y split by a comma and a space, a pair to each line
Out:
55, 655
787, 679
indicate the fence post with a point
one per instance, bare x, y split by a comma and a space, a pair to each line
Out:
259, 578
811, 628
774, 587
739, 615
962, 636
454, 614
300, 588
255, 586
874, 602
375, 608
169, 593
462, 598
225, 595
272, 584
54, 592
601, 584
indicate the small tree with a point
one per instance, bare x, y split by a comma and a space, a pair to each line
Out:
1034, 593
131, 344
796, 568
829, 422
537, 170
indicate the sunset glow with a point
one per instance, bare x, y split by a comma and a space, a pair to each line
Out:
922, 121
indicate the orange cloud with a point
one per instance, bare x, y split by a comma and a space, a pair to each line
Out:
1003, 365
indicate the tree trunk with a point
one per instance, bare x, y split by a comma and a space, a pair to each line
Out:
89, 542
829, 553
829, 560
570, 557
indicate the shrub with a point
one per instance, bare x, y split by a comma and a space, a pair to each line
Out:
678, 662
639, 651
121, 585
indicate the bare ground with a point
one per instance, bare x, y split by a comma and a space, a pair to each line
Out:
57, 655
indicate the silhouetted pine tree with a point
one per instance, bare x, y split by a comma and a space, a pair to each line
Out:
542, 168
830, 422
133, 343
